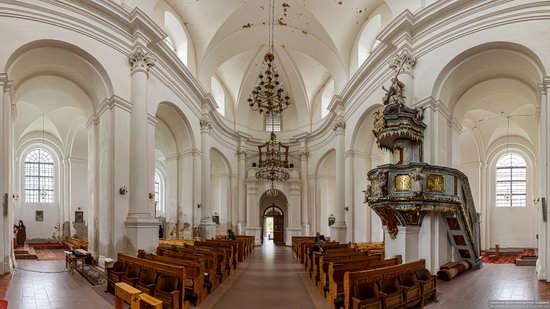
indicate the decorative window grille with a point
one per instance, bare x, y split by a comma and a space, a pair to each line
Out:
511, 181
39, 177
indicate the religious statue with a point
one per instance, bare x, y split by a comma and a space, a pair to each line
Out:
419, 116
380, 184
379, 122
394, 94
21, 234
417, 178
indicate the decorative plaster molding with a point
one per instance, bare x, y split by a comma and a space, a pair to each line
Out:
403, 61
241, 153
303, 155
141, 60
206, 124
339, 126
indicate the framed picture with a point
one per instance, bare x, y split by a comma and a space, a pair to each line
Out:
78, 216
216, 219
39, 215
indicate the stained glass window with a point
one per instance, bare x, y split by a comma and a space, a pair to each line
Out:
511, 181
39, 177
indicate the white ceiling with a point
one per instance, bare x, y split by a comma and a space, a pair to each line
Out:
313, 42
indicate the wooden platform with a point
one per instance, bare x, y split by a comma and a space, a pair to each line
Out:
25, 253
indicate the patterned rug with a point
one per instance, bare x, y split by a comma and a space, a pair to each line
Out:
506, 259
94, 275
49, 254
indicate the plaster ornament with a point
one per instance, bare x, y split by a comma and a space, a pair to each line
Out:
141, 60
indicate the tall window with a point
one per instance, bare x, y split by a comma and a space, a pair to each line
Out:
39, 177
273, 122
511, 181
158, 195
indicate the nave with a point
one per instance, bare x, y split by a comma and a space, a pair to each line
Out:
270, 278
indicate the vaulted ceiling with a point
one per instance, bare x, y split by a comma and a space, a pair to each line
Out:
314, 40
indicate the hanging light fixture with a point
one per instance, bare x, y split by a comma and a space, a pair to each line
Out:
273, 161
268, 96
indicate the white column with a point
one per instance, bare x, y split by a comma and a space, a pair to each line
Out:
303, 154
141, 226
338, 229
6, 170
207, 227
544, 158
66, 214
252, 212
91, 216
241, 153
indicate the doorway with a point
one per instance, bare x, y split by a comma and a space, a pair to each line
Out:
274, 224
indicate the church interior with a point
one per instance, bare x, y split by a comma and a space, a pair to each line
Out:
274, 154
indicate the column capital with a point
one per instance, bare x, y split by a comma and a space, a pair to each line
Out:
241, 153
303, 154
339, 126
206, 124
141, 60
403, 61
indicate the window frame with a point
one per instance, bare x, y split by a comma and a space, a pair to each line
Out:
44, 175
159, 194
515, 179
271, 124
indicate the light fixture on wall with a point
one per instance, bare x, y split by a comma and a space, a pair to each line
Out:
152, 195
15, 196
346, 208
123, 190
268, 96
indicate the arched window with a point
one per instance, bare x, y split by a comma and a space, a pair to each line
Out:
328, 93
39, 177
511, 181
159, 198
219, 95
367, 40
273, 122
177, 38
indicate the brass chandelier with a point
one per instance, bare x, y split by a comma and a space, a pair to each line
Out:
269, 96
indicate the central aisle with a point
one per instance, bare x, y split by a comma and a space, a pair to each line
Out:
270, 278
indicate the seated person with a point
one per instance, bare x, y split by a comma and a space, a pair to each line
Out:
319, 248
231, 235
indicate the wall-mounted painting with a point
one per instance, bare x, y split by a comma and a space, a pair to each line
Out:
39, 215
78, 216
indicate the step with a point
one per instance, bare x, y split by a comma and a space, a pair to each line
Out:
26, 257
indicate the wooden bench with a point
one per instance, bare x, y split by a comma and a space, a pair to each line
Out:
337, 270
194, 272
306, 248
212, 243
312, 258
161, 268
374, 275
76, 242
324, 266
218, 254
249, 243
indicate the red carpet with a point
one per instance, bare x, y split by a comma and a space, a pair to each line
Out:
506, 259
49, 245
50, 254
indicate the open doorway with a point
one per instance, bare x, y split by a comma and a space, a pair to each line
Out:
274, 224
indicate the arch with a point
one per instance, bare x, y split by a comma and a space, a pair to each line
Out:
52, 57
178, 124
177, 35
328, 93
484, 62
365, 117
368, 37
218, 92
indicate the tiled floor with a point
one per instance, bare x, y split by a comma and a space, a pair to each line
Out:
46, 284
271, 278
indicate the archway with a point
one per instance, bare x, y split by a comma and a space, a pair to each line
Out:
267, 202
273, 227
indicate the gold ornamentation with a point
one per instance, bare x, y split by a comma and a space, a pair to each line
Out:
373, 184
436, 183
403, 182
379, 122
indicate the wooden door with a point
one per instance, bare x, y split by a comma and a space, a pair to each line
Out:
278, 229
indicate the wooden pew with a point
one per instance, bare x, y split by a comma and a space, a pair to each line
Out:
233, 246
210, 269
312, 258
76, 242
337, 270
161, 268
305, 248
218, 254
230, 249
249, 241
325, 264
374, 275
296, 240
194, 279
323, 258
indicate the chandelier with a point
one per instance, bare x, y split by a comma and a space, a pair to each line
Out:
269, 96
272, 192
273, 161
